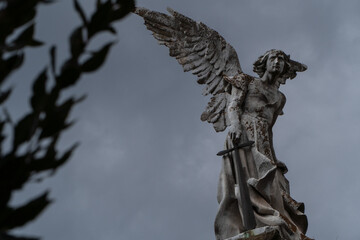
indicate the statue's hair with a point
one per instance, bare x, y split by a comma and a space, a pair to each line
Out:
260, 64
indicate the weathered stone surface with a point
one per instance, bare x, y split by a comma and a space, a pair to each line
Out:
253, 191
263, 233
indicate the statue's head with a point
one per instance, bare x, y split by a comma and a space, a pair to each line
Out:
264, 62
287, 68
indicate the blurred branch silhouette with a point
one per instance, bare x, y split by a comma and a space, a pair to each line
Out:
34, 137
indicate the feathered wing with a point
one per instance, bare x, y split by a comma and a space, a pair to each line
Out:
201, 50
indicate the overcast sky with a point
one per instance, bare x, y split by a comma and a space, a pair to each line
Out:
147, 166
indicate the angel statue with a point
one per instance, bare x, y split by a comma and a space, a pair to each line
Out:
253, 193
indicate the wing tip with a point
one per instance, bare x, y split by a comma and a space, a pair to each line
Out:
141, 11
170, 10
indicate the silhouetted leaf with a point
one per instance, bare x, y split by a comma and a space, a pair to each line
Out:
112, 30
16, 14
2, 136
53, 60
97, 59
5, 236
7, 116
70, 73
24, 129
77, 44
100, 20
20, 216
98, 3
13, 173
4, 95
55, 120
48, 118
5, 185
124, 8
48, 1
80, 12
80, 99
39, 96
49, 161
15, 61
35, 43
66, 156
10, 64
24, 39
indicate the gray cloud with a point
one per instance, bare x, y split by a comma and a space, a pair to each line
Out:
147, 168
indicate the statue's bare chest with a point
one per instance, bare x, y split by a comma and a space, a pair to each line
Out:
264, 94
263, 100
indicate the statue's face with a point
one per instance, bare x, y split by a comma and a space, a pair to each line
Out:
275, 63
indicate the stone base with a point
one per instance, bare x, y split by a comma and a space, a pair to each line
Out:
262, 233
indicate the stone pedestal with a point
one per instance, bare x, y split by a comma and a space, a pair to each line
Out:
263, 233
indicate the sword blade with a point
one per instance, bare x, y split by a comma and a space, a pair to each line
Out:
244, 202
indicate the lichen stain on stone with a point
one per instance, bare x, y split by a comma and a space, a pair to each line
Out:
289, 223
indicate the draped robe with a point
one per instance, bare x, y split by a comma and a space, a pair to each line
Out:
268, 188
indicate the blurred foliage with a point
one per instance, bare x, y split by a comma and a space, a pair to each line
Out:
33, 139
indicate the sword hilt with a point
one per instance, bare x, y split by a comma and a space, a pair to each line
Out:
223, 152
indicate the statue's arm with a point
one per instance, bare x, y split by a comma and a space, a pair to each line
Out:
279, 111
234, 113
239, 89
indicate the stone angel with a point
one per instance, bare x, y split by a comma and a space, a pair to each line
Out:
248, 106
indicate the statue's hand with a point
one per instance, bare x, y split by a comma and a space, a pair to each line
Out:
235, 132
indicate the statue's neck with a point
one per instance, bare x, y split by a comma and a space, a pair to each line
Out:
269, 78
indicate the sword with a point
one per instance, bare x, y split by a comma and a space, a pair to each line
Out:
244, 202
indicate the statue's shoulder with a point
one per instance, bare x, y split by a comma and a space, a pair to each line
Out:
240, 81
282, 97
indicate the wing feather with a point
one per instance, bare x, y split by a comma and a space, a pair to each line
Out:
202, 51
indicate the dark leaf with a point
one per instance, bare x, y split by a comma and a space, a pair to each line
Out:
52, 98
25, 38
18, 217
15, 61
98, 3
5, 186
46, 162
35, 43
66, 156
70, 73
47, 1
80, 12
5, 194
27, 34
9, 65
4, 95
53, 60
25, 129
49, 161
7, 115
5, 236
2, 136
17, 14
39, 96
77, 43
97, 59
82, 98
13, 173
100, 20
125, 7
112, 30
55, 120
